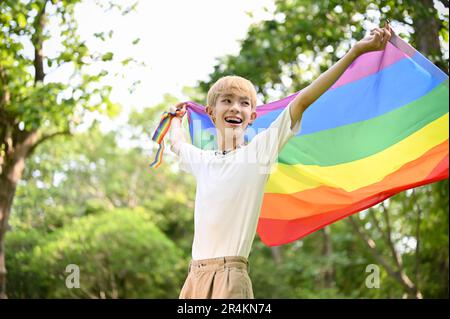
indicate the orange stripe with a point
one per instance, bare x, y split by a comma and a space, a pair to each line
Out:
277, 232
164, 130
326, 199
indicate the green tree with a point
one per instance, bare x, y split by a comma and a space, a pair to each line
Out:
119, 254
88, 174
408, 236
33, 110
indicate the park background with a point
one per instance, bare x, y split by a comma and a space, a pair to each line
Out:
82, 86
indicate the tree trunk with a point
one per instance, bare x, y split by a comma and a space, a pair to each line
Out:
13, 164
276, 254
16, 143
7, 191
328, 273
426, 33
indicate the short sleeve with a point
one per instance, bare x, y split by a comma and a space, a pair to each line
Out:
271, 141
190, 158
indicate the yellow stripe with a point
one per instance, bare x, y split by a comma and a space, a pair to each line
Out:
287, 179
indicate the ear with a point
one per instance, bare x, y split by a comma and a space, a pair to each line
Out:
210, 111
253, 117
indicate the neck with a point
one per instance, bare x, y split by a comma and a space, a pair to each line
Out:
229, 142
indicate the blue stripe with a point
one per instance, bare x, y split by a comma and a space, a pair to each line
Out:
369, 97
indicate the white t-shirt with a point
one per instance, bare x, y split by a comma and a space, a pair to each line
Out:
230, 189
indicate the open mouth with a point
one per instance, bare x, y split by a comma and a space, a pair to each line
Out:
233, 120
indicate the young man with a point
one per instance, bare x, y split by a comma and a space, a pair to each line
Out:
231, 179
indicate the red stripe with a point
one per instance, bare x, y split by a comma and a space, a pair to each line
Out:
275, 232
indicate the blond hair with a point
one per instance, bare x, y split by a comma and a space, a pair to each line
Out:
231, 84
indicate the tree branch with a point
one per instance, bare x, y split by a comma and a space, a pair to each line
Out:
395, 254
398, 275
37, 40
5, 98
47, 137
417, 252
372, 245
375, 221
398, 258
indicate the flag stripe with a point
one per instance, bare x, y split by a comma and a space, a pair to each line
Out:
358, 140
349, 176
370, 63
370, 97
370, 103
311, 201
277, 232
399, 48
365, 65
380, 129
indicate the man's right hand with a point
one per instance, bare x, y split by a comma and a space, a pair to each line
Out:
180, 107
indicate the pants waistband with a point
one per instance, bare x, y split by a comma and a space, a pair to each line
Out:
227, 261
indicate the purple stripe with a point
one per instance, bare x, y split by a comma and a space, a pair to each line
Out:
365, 65
196, 107
370, 63
402, 45
266, 108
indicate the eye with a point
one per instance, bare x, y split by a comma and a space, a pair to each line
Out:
226, 100
246, 103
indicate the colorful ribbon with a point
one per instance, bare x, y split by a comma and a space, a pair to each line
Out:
160, 133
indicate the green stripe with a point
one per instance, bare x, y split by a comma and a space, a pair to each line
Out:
358, 140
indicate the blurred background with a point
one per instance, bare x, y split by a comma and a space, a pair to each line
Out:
82, 86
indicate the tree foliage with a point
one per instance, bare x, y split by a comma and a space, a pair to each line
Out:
305, 37
120, 254
92, 201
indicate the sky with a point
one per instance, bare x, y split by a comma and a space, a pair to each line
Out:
179, 43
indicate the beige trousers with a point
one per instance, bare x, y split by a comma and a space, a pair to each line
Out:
218, 278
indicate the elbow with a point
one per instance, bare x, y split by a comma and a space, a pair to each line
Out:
172, 147
303, 102
298, 107
175, 147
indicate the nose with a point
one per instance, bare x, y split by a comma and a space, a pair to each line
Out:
235, 107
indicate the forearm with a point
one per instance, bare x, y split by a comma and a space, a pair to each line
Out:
177, 135
319, 86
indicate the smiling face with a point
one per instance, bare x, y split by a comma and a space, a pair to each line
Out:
232, 112
231, 107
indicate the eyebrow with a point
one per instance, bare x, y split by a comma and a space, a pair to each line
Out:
241, 97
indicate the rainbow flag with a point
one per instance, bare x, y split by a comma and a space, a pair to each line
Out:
160, 133
158, 137
380, 129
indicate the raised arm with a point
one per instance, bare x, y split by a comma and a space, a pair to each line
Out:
177, 132
376, 41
